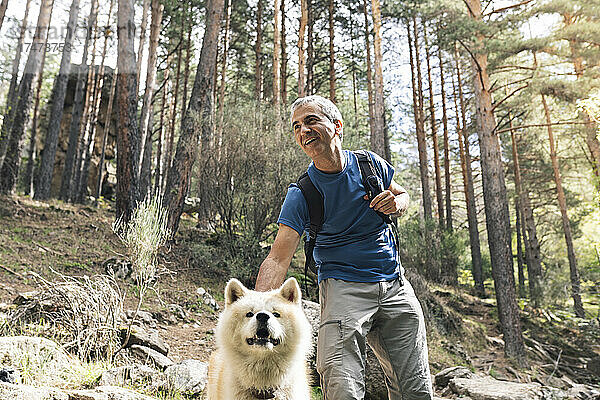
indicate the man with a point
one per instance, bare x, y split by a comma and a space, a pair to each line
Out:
363, 294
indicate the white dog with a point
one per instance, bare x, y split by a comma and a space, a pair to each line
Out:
262, 342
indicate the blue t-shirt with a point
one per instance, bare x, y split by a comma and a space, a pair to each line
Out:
354, 243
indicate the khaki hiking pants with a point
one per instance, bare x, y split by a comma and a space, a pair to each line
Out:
389, 317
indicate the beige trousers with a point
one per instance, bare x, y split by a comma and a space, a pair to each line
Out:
388, 317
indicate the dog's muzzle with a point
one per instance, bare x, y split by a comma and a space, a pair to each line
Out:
263, 336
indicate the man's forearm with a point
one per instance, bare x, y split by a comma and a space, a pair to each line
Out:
271, 274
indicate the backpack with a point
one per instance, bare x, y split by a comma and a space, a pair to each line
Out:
373, 185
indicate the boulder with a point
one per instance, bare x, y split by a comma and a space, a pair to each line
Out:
443, 377
146, 354
189, 376
488, 388
147, 338
16, 349
24, 392
106, 393
135, 374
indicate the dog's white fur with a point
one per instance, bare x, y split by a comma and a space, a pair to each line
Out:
239, 367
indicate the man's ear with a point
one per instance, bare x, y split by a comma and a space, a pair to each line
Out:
290, 290
339, 128
234, 291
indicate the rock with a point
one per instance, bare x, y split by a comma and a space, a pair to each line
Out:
48, 354
487, 388
142, 316
136, 374
106, 393
24, 392
146, 338
200, 291
594, 366
443, 377
178, 311
10, 375
147, 354
189, 376
119, 268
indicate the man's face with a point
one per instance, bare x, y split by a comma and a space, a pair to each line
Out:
314, 132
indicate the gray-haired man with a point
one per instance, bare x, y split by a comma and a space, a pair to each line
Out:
363, 295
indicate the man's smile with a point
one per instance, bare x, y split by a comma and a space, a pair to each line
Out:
309, 140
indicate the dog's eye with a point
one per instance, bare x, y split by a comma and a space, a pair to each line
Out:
276, 314
249, 314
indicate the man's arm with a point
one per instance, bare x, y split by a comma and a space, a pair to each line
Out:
393, 201
274, 268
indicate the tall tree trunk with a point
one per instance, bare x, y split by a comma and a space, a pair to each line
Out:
3, 7
369, 70
221, 101
143, 26
12, 88
31, 73
145, 131
284, 60
562, 203
495, 198
378, 143
75, 126
186, 70
93, 116
417, 108
200, 108
107, 121
159, 174
301, 59
446, 146
258, 80
331, 52
46, 169
532, 246
520, 272
175, 97
310, 55
463, 140
128, 139
276, 55
436, 147
31, 153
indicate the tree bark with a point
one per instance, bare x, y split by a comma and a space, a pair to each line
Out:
140, 52
331, 52
107, 121
276, 55
159, 174
436, 147
46, 169
301, 59
495, 198
31, 73
199, 113
520, 268
369, 70
3, 7
145, 131
12, 88
532, 246
419, 128
31, 153
75, 126
175, 97
284, 60
128, 139
378, 142
562, 203
310, 56
258, 80
465, 160
448, 196
221, 101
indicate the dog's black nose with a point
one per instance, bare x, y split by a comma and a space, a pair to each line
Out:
262, 317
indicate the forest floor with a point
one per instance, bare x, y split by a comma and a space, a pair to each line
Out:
52, 238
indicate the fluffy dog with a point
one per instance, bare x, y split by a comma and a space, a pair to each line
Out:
262, 342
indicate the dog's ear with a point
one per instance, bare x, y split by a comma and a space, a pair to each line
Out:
290, 290
234, 291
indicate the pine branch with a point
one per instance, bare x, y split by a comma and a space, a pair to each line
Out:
508, 7
541, 125
510, 95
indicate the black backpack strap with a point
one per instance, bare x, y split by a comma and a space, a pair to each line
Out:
314, 200
367, 172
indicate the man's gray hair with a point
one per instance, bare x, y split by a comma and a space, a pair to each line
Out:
327, 107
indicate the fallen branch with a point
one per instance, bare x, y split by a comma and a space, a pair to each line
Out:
11, 271
46, 248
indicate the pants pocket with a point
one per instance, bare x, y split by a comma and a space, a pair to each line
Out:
329, 345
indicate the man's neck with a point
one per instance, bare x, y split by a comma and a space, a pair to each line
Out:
331, 163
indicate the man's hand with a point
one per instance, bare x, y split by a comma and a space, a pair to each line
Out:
393, 201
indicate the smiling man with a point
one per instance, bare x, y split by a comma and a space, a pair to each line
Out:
363, 294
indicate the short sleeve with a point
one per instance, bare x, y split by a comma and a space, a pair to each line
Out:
294, 211
384, 168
